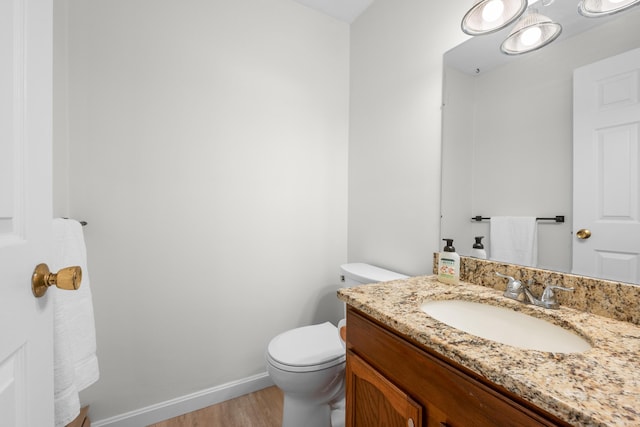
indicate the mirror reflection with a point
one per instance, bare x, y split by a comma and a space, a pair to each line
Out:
508, 133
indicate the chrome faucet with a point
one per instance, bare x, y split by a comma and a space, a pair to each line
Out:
516, 287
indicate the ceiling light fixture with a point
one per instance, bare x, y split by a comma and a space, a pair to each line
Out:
488, 16
532, 32
597, 8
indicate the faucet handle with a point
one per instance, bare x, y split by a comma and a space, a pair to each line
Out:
548, 297
511, 279
514, 287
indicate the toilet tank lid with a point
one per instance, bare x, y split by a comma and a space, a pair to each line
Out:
367, 273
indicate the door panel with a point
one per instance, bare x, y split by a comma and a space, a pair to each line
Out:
26, 351
607, 168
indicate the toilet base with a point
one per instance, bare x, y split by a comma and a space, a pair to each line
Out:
338, 413
302, 413
299, 412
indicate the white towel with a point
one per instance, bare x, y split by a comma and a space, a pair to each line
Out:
514, 240
74, 345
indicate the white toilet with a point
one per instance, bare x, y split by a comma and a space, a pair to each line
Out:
308, 363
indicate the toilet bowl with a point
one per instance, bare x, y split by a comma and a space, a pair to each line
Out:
308, 363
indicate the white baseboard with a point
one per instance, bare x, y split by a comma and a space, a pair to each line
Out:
185, 404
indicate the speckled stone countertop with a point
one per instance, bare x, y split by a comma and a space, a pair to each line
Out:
599, 387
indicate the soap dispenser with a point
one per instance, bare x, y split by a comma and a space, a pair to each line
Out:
449, 264
478, 249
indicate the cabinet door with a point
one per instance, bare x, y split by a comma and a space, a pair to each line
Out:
373, 401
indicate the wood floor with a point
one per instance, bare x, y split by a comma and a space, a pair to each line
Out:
262, 408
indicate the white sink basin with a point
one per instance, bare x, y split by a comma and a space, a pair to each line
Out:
505, 326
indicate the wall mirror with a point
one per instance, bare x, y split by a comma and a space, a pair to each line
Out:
507, 129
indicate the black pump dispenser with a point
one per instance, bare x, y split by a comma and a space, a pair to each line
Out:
478, 249
449, 246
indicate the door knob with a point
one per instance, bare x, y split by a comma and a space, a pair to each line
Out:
583, 233
68, 278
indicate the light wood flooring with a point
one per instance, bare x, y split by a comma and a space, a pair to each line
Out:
262, 408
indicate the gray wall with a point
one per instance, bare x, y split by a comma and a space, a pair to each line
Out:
394, 138
205, 142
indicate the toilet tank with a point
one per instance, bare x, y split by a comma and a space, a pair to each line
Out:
358, 273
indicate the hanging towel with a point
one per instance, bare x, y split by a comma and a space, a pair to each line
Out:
74, 339
514, 240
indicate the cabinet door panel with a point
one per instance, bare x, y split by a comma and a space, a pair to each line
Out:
373, 401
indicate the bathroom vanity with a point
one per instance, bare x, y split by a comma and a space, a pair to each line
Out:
405, 368
378, 359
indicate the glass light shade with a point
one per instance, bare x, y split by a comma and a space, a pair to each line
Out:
488, 16
596, 8
532, 32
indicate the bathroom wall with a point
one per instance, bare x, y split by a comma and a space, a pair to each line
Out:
60, 109
457, 160
207, 148
394, 138
205, 142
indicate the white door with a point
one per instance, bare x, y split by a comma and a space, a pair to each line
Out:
26, 350
606, 164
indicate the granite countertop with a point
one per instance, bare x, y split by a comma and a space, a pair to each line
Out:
599, 387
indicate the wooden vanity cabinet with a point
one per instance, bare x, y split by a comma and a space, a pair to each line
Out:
392, 381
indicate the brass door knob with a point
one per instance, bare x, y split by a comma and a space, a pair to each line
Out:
68, 278
583, 233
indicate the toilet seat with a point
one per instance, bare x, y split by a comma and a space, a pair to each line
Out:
305, 349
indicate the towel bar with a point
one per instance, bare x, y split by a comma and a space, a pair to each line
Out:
82, 223
557, 218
